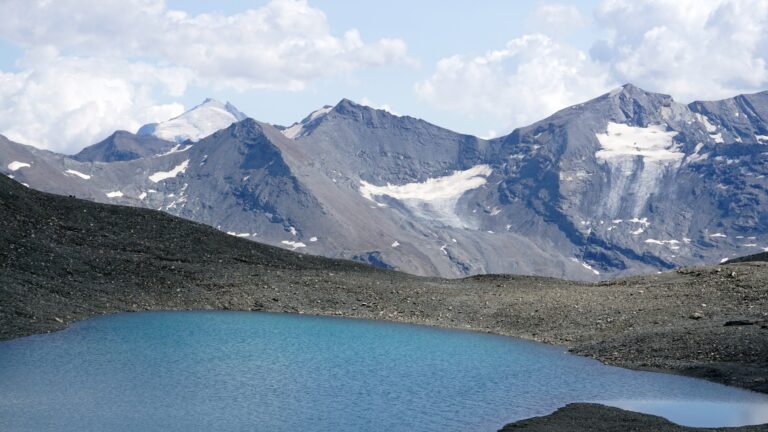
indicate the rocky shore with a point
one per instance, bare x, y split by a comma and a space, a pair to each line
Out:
583, 417
63, 260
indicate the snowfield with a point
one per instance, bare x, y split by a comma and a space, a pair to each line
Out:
435, 197
176, 149
653, 143
293, 244
163, 175
16, 165
297, 129
643, 154
78, 173
199, 122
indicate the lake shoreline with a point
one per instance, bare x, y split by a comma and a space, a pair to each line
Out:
573, 417
68, 259
462, 314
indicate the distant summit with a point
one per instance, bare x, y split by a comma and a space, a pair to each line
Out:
124, 146
197, 123
299, 128
344, 108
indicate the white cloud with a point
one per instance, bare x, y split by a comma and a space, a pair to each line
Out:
385, 107
692, 49
557, 20
533, 76
93, 66
282, 45
65, 103
490, 134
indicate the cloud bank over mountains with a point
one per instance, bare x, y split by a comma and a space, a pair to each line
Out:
707, 49
89, 67
92, 66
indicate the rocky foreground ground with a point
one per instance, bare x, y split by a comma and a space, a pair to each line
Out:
63, 260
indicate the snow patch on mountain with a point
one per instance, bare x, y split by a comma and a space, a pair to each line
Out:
434, 198
586, 266
297, 129
114, 194
16, 165
589, 267
321, 112
197, 123
711, 129
293, 131
637, 158
236, 234
162, 175
293, 244
78, 173
642, 221
673, 244
653, 143
176, 149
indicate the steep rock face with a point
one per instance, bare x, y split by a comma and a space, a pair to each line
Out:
238, 181
630, 182
590, 170
425, 186
634, 176
380, 147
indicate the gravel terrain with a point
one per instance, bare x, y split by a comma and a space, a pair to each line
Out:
63, 260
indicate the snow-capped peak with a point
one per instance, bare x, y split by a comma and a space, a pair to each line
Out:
197, 123
297, 129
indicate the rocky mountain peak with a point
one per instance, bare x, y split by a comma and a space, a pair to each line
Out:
633, 105
245, 128
346, 106
353, 109
124, 146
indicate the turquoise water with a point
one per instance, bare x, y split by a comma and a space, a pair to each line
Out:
231, 371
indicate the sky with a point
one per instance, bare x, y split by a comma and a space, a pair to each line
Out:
73, 71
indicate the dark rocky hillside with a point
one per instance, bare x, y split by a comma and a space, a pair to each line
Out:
63, 258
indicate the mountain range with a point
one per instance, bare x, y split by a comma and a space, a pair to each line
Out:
630, 182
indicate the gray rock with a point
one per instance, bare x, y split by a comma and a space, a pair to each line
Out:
124, 146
